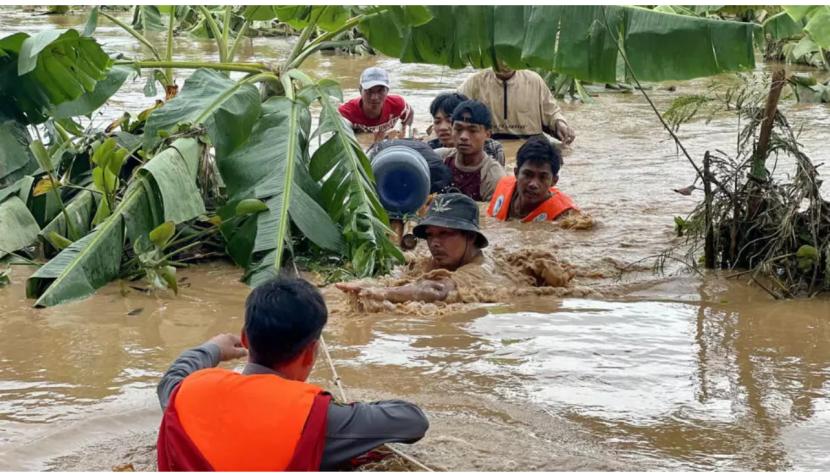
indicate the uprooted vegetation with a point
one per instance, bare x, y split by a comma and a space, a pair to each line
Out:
763, 213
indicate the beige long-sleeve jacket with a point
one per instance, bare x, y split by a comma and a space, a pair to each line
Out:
523, 105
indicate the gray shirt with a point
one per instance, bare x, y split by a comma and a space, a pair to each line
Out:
351, 429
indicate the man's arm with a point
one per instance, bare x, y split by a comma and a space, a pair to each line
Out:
357, 428
208, 355
553, 120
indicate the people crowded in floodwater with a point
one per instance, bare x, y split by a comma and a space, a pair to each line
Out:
376, 110
530, 194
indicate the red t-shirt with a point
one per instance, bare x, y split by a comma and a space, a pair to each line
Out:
394, 108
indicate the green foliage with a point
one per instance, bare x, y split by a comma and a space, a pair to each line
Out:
52, 67
157, 193
227, 109
270, 166
348, 190
80, 209
16, 159
19, 226
568, 39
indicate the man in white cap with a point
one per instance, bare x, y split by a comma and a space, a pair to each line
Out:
376, 111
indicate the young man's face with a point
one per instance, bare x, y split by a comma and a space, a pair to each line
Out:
373, 99
469, 137
534, 180
442, 126
447, 246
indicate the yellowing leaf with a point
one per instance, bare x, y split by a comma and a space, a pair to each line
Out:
162, 233
44, 186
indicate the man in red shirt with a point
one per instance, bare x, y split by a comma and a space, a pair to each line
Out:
376, 111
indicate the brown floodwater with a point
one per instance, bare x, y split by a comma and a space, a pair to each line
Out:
654, 371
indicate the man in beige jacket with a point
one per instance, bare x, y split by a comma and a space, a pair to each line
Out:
521, 103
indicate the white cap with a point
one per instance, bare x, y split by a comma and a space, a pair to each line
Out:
373, 76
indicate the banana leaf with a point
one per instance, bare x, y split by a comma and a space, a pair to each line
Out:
155, 195
40, 72
782, 26
80, 209
16, 158
147, 18
19, 226
348, 190
227, 108
268, 166
91, 101
573, 39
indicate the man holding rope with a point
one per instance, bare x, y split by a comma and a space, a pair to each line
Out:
268, 418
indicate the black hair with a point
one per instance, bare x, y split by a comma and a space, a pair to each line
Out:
446, 103
282, 316
539, 149
475, 111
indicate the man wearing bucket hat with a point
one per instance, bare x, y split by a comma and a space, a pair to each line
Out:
454, 240
376, 111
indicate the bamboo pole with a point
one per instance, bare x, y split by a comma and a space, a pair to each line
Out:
339, 384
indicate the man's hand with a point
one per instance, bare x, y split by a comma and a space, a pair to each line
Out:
230, 347
564, 132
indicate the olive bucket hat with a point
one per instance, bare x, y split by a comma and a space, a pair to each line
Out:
456, 211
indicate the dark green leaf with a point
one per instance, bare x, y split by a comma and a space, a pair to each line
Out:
19, 226
91, 22
227, 108
92, 101
574, 39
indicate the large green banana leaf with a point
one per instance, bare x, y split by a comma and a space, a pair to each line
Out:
164, 189
16, 159
227, 108
571, 39
80, 209
270, 166
817, 18
92, 101
19, 228
348, 191
40, 72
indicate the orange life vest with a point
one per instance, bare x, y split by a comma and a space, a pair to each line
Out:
548, 210
244, 422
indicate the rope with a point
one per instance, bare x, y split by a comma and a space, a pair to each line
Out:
342, 391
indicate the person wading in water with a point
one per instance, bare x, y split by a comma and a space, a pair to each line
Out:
473, 172
530, 195
441, 110
268, 418
455, 241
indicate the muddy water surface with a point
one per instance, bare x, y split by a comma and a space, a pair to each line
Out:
667, 372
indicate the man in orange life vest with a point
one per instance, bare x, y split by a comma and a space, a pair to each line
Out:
268, 418
531, 195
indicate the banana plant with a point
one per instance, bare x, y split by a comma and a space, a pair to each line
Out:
262, 151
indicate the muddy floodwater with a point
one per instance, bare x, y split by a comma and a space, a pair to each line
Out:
671, 371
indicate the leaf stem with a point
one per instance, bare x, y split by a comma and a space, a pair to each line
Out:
237, 41
214, 28
168, 72
135, 34
249, 67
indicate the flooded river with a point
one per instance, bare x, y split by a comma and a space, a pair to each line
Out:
673, 371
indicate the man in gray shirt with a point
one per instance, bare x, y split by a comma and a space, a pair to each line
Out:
283, 322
